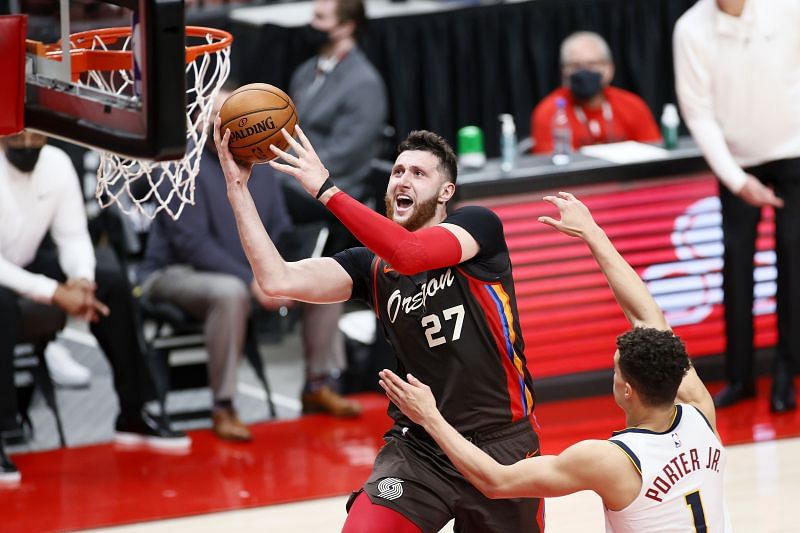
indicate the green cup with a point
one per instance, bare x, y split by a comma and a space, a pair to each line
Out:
470, 147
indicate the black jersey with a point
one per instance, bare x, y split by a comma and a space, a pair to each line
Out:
455, 328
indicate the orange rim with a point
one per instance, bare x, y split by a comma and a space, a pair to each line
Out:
225, 40
84, 59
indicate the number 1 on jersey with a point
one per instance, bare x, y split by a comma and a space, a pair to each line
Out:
433, 325
694, 502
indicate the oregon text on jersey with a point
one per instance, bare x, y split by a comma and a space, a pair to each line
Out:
411, 303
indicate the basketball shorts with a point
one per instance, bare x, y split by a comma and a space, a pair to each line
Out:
415, 478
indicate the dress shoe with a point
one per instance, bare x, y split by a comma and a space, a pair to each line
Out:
227, 426
64, 370
782, 398
326, 400
734, 393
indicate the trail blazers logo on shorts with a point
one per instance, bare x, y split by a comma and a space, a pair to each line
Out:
390, 488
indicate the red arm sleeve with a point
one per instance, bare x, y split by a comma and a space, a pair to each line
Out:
409, 252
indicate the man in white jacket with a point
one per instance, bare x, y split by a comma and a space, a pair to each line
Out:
737, 72
40, 195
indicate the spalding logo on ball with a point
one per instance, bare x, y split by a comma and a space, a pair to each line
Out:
255, 114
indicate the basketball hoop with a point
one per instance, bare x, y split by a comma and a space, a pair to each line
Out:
106, 60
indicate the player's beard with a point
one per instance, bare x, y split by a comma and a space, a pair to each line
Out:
423, 212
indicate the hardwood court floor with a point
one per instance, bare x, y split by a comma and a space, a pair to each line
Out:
761, 490
321, 459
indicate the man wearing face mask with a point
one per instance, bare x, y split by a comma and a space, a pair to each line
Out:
597, 112
40, 194
340, 97
341, 105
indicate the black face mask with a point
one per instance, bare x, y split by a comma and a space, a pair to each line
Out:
313, 38
585, 84
24, 159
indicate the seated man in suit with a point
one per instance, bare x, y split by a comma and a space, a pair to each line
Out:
40, 194
342, 106
598, 113
197, 262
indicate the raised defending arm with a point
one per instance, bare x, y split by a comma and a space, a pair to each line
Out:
630, 291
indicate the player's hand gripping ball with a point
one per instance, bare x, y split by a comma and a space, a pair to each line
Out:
255, 114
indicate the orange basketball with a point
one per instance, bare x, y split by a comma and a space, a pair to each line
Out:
255, 114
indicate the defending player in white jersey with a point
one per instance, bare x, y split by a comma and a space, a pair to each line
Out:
664, 472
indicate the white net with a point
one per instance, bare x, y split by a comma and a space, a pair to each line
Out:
148, 187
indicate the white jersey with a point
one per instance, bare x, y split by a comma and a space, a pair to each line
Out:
682, 486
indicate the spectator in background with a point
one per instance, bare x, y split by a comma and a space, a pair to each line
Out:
341, 105
340, 97
197, 263
737, 70
597, 112
39, 193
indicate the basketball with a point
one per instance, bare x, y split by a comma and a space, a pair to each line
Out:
255, 114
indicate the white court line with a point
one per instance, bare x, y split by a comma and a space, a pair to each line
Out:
293, 404
278, 399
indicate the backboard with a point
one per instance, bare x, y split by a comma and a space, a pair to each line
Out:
141, 114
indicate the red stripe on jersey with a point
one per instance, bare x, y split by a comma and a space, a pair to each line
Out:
495, 323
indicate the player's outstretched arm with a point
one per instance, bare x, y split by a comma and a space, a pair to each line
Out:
408, 252
587, 465
630, 291
320, 280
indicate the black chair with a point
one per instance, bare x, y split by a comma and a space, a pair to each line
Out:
40, 325
172, 329
164, 326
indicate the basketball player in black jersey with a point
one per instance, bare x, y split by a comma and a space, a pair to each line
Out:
442, 288
664, 471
